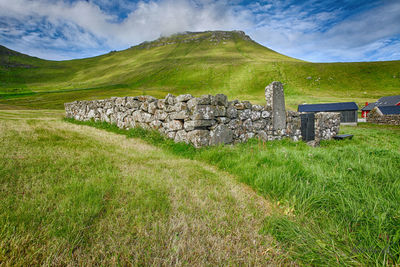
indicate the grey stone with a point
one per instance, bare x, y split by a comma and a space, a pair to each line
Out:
131, 103
161, 104
221, 135
199, 138
192, 103
120, 101
203, 100
198, 124
146, 117
155, 124
231, 112
255, 115
160, 115
234, 124
222, 120
181, 115
244, 114
169, 108
173, 125
257, 108
170, 99
239, 105
181, 136
136, 115
220, 111
171, 135
203, 112
91, 114
206, 99
179, 106
220, 100
248, 125
275, 98
144, 106
184, 98
259, 125
152, 107
247, 104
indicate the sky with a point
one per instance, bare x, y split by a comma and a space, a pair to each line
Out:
312, 30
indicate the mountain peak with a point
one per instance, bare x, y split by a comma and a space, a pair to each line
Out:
193, 37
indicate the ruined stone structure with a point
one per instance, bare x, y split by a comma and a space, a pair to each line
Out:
206, 120
326, 125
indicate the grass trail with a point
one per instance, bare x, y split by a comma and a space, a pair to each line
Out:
74, 195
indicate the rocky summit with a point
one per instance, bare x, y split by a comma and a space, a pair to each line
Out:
215, 37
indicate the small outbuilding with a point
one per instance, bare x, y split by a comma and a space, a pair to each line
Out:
385, 101
385, 115
348, 110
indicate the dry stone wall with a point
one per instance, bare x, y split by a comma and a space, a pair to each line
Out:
375, 116
201, 121
326, 125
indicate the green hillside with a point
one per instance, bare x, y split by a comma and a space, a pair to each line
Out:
196, 63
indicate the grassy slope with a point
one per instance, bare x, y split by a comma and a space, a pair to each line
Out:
74, 195
236, 67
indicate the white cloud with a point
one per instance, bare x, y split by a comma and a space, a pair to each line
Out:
83, 28
85, 23
361, 37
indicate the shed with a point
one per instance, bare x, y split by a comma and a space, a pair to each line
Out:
347, 110
393, 100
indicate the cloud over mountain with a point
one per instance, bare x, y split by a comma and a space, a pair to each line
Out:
334, 31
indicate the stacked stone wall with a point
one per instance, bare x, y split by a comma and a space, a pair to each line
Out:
326, 125
201, 121
375, 116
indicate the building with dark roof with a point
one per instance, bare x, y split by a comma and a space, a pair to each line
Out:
389, 110
348, 110
393, 100
385, 115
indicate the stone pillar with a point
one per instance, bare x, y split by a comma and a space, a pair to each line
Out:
276, 104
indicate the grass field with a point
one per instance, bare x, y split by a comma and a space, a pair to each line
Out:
339, 203
75, 195
72, 194
236, 67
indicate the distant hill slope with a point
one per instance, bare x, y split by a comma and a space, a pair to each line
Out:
196, 63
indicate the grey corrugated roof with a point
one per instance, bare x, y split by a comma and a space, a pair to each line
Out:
328, 107
369, 107
390, 110
388, 101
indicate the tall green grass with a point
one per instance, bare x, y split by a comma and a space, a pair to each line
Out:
339, 202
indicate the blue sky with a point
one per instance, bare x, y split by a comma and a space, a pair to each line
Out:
316, 31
